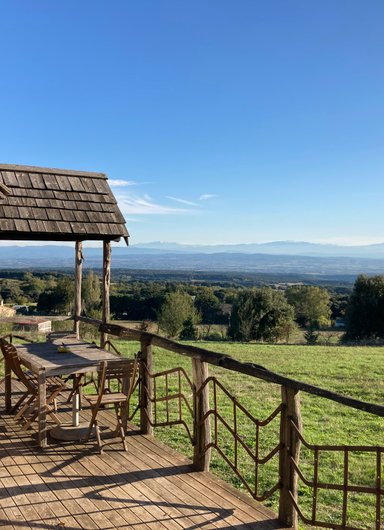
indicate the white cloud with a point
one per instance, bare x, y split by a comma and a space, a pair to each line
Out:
207, 196
131, 204
182, 201
121, 183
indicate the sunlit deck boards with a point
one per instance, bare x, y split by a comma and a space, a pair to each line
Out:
71, 486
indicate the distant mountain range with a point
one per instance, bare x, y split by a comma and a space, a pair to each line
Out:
275, 257
296, 248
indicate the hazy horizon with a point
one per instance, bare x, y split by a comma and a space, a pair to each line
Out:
96, 244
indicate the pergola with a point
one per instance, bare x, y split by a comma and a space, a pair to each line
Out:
44, 204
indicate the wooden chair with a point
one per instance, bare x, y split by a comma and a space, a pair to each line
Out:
25, 394
123, 372
29, 411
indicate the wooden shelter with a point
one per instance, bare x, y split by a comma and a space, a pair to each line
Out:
44, 204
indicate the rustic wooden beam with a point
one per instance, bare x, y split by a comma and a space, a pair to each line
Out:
290, 451
202, 455
106, 289
78, 281
146, 412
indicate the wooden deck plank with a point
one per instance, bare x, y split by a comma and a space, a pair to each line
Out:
4, 522
70, 486
161, 455
214, 489
66, 495
159, 494
172, 486
173, 491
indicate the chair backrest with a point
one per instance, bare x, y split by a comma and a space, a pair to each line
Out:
12, 358
122, 370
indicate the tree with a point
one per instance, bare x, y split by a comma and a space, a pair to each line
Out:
91, 294
189, 331
312, 305
176, 309
311, 336
59, 299
209, 306
10, 292
260, 314
365, 311
339, 303
32, 286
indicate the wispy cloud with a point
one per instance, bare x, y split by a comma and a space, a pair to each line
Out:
207, 196
118, 183
131, 204
182, 201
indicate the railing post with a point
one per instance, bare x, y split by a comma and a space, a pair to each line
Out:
146, 414
7, 386
106, 288
78, 280
201, 456
290, 451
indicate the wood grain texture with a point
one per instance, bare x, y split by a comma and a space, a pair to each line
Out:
150, 487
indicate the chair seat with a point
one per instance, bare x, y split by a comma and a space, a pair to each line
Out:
106, 399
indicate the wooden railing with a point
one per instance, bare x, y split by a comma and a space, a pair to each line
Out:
204, 438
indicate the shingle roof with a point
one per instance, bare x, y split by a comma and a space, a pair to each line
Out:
57, 205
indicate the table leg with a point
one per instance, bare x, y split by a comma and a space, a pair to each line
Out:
7, 386
124, 411
41, 403
76, 408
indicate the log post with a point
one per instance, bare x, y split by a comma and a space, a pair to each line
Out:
201, 456
106, 288
289, 451
42, 407
7, 386
146, 409
78, 280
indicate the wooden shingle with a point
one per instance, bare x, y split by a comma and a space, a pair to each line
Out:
58, 204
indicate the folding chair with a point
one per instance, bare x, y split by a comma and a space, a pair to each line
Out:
124, 372
29, 411
25, 394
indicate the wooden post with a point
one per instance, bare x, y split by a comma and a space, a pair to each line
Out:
290, 451
78, 280
201, 456
146, 412
7, 386
41, 403
106, 287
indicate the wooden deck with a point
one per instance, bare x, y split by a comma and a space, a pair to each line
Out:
71, 486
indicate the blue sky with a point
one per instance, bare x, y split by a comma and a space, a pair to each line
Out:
216, 121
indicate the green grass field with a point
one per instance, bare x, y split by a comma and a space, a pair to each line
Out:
353, 371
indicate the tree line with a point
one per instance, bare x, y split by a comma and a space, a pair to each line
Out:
249, 313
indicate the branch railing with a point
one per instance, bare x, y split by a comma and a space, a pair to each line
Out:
202, 391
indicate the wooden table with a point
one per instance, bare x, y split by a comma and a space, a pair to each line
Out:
44, 359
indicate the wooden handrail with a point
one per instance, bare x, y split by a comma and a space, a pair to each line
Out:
228, 362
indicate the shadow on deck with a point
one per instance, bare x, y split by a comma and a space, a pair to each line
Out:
71, 486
